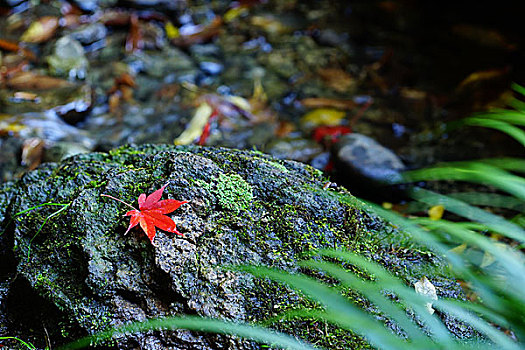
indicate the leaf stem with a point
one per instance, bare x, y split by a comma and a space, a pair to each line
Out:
121, 201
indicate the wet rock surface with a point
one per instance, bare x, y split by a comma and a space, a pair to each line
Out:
79, 274
364, 165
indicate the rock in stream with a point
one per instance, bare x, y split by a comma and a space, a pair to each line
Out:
79, 274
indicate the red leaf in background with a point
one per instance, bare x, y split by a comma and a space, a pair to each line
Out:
151, 213
331, 133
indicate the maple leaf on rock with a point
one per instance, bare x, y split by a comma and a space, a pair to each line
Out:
152, 213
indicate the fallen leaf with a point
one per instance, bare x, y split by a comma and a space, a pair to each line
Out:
134, 40
14, 47
151, 213
337, 79
459, 249
41, 30
284, 128
322, 116
171, 31
436, 212
33, 81
196, 126
329, 134
323, 102
270, 24
424, 287
23, 96
234, 13
205, 34
32, 152
483, 36
484, 76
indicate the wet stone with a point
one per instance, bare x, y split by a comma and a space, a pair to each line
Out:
243, 208
363, 164
68, 59
90, 33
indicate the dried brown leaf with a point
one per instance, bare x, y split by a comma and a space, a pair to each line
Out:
33, 81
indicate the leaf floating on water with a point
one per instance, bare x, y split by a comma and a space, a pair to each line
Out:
424, 287
196, 125
323, 102
41, 30
323, 116
33, 81
32, 152
337, 79
205, 34
14, 47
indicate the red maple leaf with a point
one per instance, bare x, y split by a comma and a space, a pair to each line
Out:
151, 213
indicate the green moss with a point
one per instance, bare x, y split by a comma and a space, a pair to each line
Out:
231, 191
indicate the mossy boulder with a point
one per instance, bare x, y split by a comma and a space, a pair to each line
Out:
70, 271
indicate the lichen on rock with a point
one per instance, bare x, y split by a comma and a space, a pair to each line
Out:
242, 210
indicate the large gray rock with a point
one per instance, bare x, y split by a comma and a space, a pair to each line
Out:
79, 274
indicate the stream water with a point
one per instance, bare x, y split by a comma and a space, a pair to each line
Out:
285, 77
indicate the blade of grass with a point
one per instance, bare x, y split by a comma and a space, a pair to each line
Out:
492, 221
372, 291
512, 263
503, 126
414, 300
489, 200
196, 323
344, 314
476, 172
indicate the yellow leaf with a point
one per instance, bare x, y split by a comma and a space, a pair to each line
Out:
323, 116
436, 212
488, 259
233, 13
240, 102
459, 249
196, 125
171, 30
387, 205
41, 30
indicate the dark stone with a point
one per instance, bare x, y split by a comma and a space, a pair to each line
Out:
82, 274
366, 168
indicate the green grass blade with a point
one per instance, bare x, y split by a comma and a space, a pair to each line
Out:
492, 221
475, 172
372, 291
455, 308
509, 164
26, 344
512, 261
502, 115
343, 313
488, 288
518, 88
499, 339
503, 126
517, 104
195, 323
489, 200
